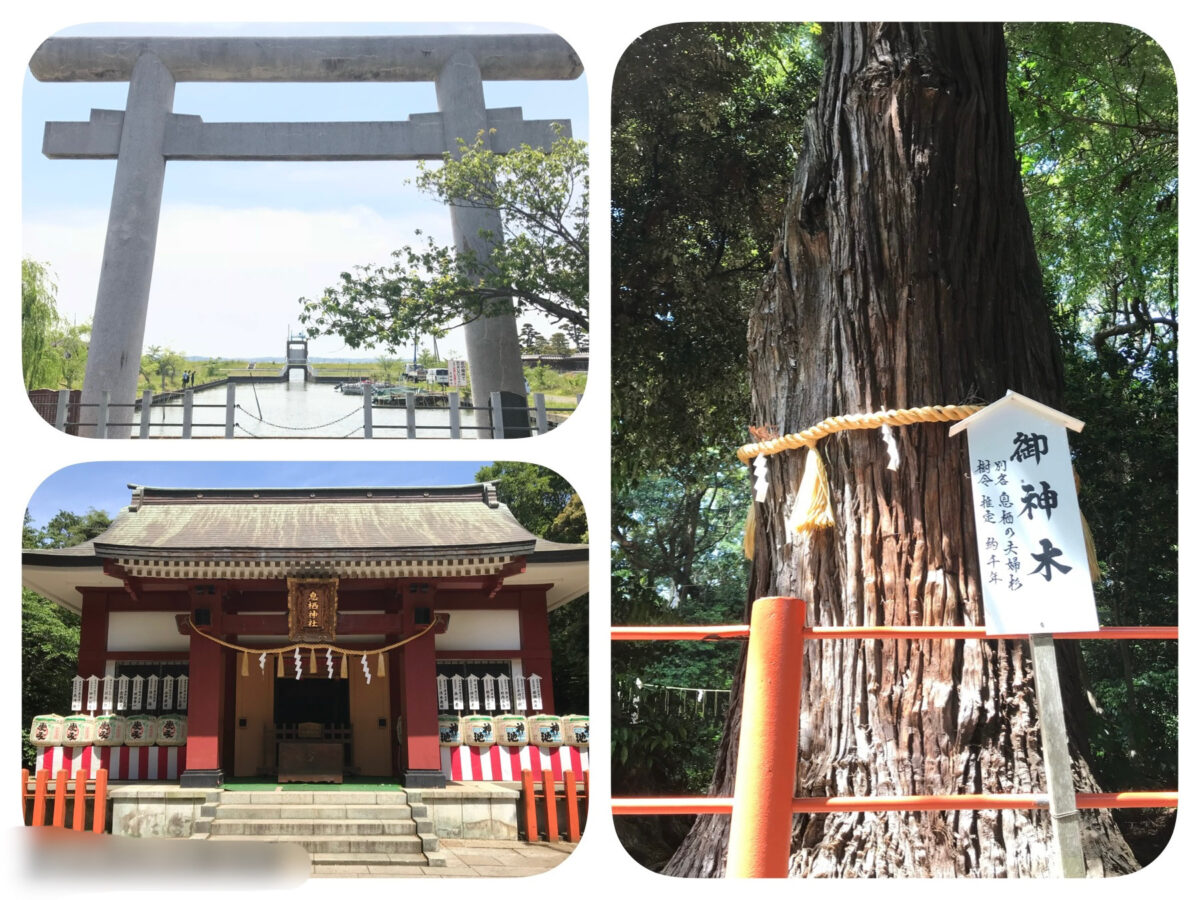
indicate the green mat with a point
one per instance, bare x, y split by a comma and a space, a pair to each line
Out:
350, 784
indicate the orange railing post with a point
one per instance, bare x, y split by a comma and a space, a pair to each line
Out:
551, 806
24, 791
79, 815
39, 797
527, 789
760, 829
100, 802
60, 798
572, 807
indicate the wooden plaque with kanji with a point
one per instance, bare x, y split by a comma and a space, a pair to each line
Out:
312, 609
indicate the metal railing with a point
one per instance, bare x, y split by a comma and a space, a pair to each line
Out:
763, 802
499, 421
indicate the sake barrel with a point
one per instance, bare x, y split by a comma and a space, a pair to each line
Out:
110, 730
478, 731
140, 730
170, 731
449, 731
511, 731
46, 731
575, 729
78, 731
545, 731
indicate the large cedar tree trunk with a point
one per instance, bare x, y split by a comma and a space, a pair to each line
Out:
905, 276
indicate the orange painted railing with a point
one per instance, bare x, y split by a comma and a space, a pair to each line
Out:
549, 792
762, 806
85, 790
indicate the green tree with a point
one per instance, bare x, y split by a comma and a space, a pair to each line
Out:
1096, 116
705, 131
539, 262
529, 338
164, 362
559, 345
39, 319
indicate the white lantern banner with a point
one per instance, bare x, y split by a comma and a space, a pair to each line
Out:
152, 692
456, 686
505, 697
93, 684
168, 692
473, 691
443, 692
181, 688
519, 690
122, 693
106, 699
77, 693
489, 692
138, 684
535, 691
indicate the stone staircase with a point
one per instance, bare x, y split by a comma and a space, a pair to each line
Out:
342, 831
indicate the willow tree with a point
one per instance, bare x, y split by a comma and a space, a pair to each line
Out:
905, 276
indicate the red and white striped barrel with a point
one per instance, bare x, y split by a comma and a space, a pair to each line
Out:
497, 763
123, 763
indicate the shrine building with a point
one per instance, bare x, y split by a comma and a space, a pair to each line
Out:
310, 634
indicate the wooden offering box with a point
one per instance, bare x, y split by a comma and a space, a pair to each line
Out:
310, 761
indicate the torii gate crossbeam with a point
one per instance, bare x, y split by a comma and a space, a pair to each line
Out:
148, 133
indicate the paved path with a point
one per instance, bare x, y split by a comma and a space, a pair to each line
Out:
465, 859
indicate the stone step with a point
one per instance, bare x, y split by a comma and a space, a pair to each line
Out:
319, 844
319, 798
229, 810
312, 826
358, 863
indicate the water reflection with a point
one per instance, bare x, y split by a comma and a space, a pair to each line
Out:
297, 408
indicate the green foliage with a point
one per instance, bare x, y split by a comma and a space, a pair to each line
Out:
540, 260
1096, 114
165, 363
535, 495
53, 351
706, 119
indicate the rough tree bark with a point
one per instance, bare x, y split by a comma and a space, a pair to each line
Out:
905, 276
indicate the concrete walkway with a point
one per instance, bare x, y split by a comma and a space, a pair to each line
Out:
464, 859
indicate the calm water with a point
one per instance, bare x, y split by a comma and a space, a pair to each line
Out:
299, 409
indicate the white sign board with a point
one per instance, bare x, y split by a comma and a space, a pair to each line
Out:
1032, 558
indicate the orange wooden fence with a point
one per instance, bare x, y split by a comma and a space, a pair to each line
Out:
762, 806
549, 792
96, 791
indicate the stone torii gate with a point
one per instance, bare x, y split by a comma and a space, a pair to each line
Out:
148, 133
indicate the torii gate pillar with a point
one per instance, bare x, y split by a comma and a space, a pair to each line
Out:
493, 348
123, 294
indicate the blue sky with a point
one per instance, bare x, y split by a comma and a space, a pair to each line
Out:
240, 242
103, 485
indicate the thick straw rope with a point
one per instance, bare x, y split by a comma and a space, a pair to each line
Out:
860, 422
817, 511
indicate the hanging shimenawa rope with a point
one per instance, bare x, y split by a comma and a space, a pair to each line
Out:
312, 648
813, 509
